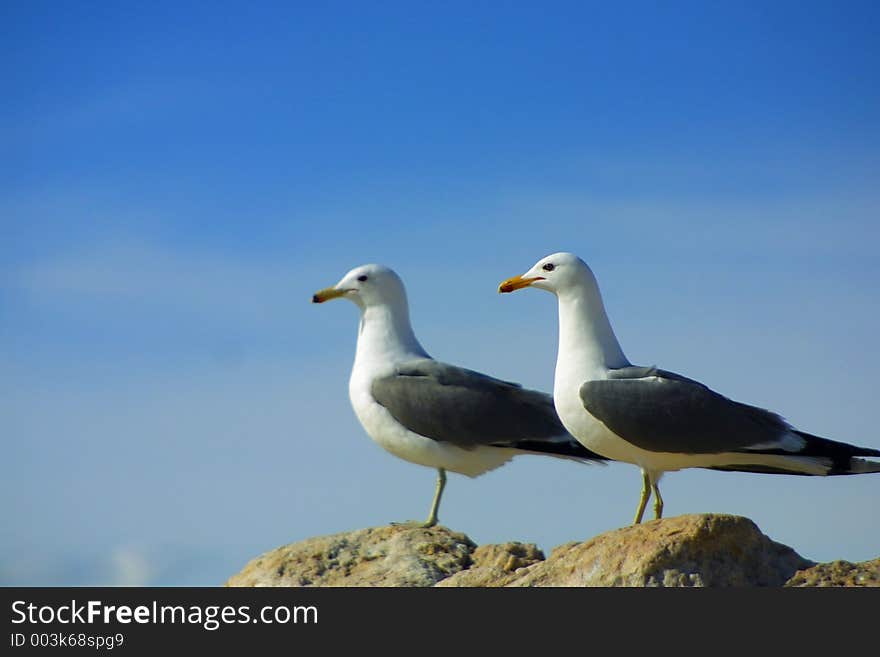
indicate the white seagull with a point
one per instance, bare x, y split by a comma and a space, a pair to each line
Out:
431, 413
659, 420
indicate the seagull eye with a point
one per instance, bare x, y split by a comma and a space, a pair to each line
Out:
549, 267
362, 278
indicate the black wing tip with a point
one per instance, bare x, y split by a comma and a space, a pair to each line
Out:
841, 458
758, 469
564, 449
819, 446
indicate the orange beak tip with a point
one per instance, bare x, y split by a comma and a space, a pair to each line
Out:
516, 283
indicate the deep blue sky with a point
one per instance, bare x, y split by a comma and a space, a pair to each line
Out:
179, 177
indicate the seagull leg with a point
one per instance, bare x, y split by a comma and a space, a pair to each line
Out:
438, 493
646, 495
435, 505
658, 501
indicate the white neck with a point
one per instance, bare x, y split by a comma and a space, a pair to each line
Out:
385, 334
587, 344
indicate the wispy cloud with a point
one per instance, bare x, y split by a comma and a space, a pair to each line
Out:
802, 224
154, 279
127, 103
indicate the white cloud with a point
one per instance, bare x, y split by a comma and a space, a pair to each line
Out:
150, 274
152, 297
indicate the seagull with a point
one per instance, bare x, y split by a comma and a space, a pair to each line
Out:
659, 420
429, 412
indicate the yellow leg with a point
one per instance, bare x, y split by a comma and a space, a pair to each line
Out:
435, 505
658, 501
643, 500
438, 493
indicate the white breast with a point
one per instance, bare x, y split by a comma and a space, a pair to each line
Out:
589, 431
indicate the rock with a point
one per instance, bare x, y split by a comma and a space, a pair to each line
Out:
496, 565
839, 573
395, 555
691, 550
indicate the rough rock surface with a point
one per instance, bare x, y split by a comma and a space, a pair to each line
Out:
395, 555
839, 573
496, 565
691, 550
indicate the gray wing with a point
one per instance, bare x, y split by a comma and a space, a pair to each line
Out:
665, 412
466, 408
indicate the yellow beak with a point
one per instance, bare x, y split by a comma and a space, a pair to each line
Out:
517, 283
327, 294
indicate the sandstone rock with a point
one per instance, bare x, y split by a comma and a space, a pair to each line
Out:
691, 550
839, 573
394, 555
496, 565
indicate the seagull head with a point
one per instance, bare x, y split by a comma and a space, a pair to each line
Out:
367, 285
555, 273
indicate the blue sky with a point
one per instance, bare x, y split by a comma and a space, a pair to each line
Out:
177, 181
